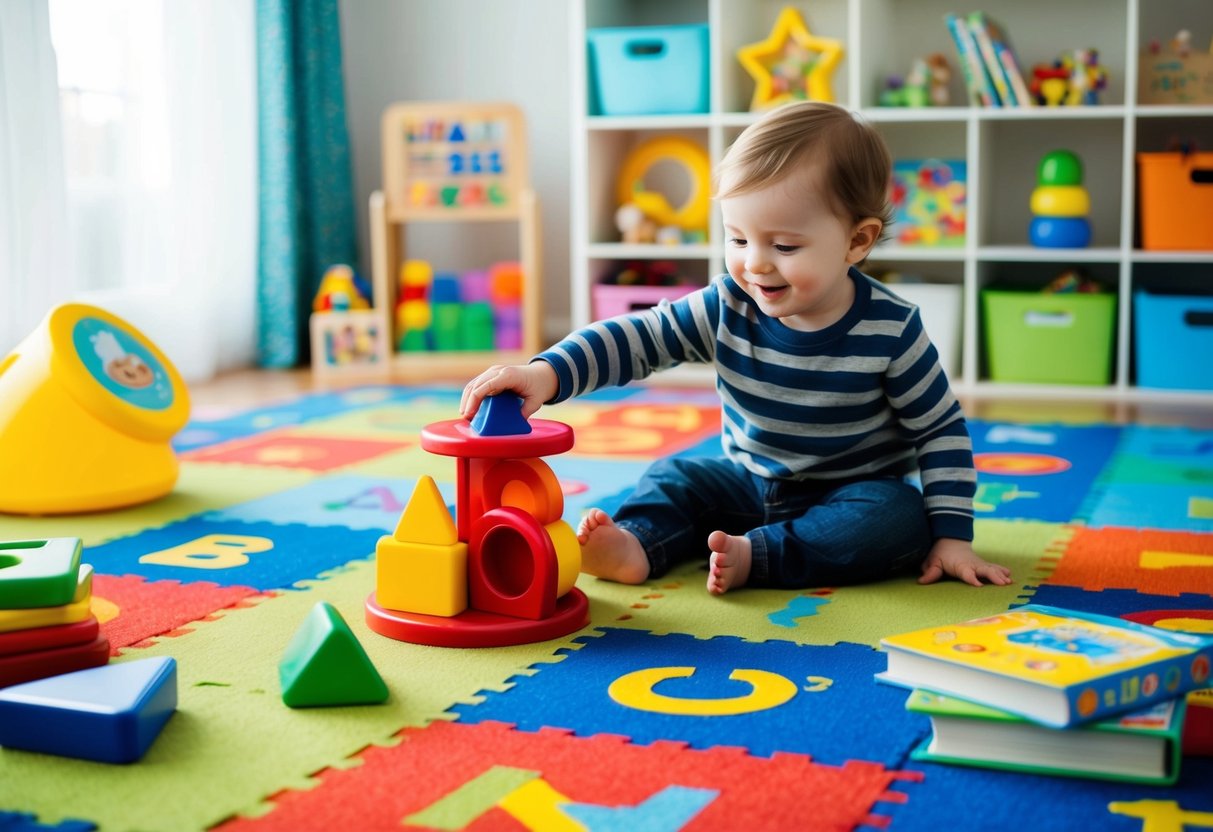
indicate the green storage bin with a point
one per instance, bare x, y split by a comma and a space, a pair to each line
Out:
1043, 338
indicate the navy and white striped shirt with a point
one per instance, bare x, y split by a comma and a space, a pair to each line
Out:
862, 398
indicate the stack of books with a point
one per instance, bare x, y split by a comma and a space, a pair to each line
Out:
1055, 691
991, 70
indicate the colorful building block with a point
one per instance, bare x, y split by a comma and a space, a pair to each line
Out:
500, 415
512, 566
325, 665
76, 610
38, 664
528, 484
422, 567
45, 638
110, 714
38, 573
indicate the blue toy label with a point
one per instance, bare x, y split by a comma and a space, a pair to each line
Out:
122, 364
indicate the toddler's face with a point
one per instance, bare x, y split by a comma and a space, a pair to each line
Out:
789, 250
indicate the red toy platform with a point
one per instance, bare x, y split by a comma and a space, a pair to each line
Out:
476, 628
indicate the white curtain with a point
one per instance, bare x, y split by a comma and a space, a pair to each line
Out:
169, 240
35, 269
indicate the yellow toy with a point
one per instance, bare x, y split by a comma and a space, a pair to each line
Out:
692, 215
338, 291
791, 63
423, 566
87, 408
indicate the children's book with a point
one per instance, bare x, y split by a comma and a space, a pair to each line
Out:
1142, 746
929, 199
980, 89
1009, 63
981, 25
1054, 666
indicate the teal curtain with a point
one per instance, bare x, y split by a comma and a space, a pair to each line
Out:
306, 217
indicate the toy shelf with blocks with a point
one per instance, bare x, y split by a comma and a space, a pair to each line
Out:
444, 163
997, 150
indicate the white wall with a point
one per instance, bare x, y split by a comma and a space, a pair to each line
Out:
469, 50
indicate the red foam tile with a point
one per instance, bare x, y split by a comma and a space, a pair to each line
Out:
1111, 558
283, 449
147, 609
785, 791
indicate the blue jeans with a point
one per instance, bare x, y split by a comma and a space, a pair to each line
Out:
801, 533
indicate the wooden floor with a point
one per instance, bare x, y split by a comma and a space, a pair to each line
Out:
252, 388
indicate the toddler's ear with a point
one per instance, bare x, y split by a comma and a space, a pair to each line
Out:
864, 235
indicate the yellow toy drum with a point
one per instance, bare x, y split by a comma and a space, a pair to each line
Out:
87, 408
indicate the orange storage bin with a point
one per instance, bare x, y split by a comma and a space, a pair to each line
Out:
1176, 200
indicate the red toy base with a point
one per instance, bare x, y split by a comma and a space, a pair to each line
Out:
476, 628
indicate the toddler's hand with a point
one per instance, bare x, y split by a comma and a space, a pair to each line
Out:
534, 383
957, 559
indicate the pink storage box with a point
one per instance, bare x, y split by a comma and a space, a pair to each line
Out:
611, 299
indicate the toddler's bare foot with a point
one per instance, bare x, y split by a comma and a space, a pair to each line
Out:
610, 552
729, 567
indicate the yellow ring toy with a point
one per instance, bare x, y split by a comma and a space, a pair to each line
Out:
692, 215
87, 408
1060, 201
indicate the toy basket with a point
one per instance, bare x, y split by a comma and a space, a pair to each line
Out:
1043, 338
1173, 341
1176, 200
650, 70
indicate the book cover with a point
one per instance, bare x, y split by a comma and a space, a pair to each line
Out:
980, 25
970, 61
1009, 63
1054, 666
1141, 746
929, 202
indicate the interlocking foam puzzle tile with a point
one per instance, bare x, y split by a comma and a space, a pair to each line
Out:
768, 697
1175, 507
959, 797
1038, 472
200, 488
389, 421
1117, 602
20, 822
1131, 469
492, 777
232, 742
132, 610
637, 431
233, 553
348, 500
1169, 444
679, 602
1149, 561
291, 449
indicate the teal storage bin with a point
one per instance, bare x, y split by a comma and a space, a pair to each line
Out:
1173, 341
650, 70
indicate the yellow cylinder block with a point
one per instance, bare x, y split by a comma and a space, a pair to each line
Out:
568, 555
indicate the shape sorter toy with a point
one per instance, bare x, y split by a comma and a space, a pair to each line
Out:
503, 573
87, 408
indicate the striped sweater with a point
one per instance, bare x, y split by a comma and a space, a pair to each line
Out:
864, 397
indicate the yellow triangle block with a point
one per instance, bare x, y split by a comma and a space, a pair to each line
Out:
426, 518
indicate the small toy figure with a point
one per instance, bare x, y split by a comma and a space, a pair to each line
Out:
340, 280
633, 225
940, 76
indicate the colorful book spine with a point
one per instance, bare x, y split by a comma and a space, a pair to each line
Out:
970, 64
980, 26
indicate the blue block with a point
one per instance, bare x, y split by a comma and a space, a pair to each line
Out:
111, 714
501, 415
1060, 232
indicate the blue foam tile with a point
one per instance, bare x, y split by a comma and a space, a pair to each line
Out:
1152, 507
829, 717
961, 797
22, 822
1116, 602
1079, 454
1166, 443
110, 714
260, 555
348, 500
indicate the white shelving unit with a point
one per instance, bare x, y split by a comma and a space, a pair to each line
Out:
1002, 148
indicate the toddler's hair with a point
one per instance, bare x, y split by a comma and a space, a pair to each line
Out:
856, 161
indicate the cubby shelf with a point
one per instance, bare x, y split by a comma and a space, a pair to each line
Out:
1000, 146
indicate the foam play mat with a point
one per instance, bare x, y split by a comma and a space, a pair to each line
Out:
672, 709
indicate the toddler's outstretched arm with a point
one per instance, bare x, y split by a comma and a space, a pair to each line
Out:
535, 383
957, 559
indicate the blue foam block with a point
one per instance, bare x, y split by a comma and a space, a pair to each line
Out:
501, 415
111, 714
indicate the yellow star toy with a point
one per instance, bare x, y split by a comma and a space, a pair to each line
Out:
792, 63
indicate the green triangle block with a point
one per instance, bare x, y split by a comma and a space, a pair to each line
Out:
325, 665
